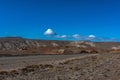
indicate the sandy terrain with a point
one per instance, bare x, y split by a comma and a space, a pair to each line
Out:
9, 63
62, 67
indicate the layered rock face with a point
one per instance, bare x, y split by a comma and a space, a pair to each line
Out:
17, 45
20, 45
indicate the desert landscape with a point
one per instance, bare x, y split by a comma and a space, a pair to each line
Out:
26, 59
61, 67
59, 39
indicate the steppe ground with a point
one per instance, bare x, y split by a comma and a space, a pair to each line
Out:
61, 67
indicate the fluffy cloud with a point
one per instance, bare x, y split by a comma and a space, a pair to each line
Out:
64, 36
76, 36
61, 36
91, 36
49, 32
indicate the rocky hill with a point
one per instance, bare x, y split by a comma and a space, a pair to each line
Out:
21, 46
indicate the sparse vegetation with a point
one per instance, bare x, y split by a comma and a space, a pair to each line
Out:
96, 67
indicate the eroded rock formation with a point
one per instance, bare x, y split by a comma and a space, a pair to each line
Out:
21, 46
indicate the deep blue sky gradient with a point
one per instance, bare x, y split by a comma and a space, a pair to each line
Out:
30, 18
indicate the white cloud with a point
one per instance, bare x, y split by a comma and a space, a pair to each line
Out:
49, 32
61, 36
76, 36
91, 36
57, 36
64, 36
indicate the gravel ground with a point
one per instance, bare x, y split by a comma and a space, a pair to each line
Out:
9, 63
83, 67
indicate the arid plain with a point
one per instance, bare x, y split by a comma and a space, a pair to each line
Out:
23, 59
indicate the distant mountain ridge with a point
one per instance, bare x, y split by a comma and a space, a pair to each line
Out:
21, 46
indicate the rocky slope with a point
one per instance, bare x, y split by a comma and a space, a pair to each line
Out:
21, 46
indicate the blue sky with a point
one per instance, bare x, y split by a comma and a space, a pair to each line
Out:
31, 18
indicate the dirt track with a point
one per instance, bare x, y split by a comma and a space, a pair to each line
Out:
66, 67
8, 63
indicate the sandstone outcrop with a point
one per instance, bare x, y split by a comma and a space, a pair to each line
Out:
21, 46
